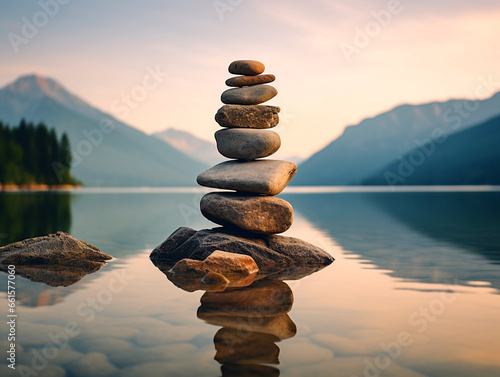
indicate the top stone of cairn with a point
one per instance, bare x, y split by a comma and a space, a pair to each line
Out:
246, 67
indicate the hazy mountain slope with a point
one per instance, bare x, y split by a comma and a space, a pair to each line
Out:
469, 157
124, 156
199, 149
363, 150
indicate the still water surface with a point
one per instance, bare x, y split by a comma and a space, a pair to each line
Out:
414, 291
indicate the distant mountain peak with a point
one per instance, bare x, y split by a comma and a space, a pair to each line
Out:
33, 87
37, 85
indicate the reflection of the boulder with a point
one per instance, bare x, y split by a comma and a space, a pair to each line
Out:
33, 294
57, 275
195, 282
253, 320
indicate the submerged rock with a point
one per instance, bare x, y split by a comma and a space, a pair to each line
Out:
274, 255
56, 260
58, 248
220, 262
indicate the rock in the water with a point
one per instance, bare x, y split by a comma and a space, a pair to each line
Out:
253, 213
272, 254
268, 177
246, 67
250, 80
247, 144
249, 95
55, 249
241, 116
220, 262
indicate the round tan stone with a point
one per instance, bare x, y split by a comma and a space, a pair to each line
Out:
253, 213
250, 80
249, 95
246, 67
247, 143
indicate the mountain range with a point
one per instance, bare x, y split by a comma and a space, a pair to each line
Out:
106, 151
462, 135
362, 152
468, 157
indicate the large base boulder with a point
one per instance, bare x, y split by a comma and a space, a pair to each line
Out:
283, 257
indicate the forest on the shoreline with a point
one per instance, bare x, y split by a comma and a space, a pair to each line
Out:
34, 155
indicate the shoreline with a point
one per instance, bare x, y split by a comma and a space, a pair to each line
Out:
33, 187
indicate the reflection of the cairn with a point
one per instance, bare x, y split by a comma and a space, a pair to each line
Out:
252, 311
253, 320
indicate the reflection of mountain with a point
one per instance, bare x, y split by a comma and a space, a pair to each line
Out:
26, 215
253, 320
427, 237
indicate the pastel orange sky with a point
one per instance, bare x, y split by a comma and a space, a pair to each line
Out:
336, 62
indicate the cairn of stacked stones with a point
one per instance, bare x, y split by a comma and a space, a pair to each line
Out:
246, 141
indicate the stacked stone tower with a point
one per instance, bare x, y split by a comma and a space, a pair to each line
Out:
246, 141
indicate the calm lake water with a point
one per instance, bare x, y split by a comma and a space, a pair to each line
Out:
414, 291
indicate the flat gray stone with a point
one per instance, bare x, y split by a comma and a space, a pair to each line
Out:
246, 67
268, 177
249, 95
246, 143
247, 116
277, 257
253, 213
250, 80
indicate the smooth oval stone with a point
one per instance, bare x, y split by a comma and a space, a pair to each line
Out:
241, 116
249, 95
246, 67
250, 80
253, 213
246, 143
268, 177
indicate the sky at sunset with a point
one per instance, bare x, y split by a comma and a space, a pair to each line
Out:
336, 62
